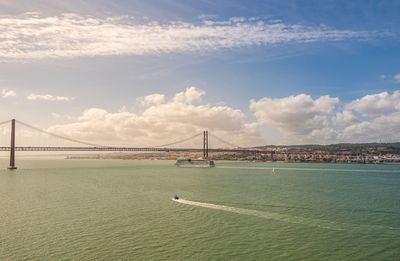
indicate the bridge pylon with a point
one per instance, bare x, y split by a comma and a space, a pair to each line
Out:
205, 144
12, 146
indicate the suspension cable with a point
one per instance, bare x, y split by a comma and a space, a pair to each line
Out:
97, 145
226, 142
61, 137
4, 122
177, 142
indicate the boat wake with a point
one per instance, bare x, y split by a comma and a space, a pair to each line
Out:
264, 214
312, 222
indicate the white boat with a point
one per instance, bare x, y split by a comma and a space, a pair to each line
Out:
202, 163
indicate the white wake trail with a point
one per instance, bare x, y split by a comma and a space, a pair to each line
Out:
312, 222
267, 215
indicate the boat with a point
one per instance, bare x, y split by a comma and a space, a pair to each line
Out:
202, 163
176, 197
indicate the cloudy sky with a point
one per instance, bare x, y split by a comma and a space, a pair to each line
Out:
142, 73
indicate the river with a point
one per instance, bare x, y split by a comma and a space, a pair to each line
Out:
53, 209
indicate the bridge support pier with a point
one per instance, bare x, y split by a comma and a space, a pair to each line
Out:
12, 146
205, 145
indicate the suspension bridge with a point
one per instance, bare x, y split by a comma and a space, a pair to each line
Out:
82, 146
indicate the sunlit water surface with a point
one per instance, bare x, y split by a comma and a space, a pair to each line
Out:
54, 209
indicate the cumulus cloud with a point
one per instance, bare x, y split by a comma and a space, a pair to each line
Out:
152, 99
345, 117
298, 119
383, 128
163, 120
376, 104
297, 115
34, 36
5, 93
302, 119
381, 121
46, 97
192, 94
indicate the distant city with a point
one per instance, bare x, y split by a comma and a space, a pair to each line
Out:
362, 153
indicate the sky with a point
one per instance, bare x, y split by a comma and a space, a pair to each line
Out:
143, 73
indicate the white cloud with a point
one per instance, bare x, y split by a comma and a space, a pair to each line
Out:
345, 117
34, 36
161, 122
381, 121
5, 93
302, 119
152, 99
297, 115
297, 119
396, 78
47, 97
384, 128
190, 95
376, 104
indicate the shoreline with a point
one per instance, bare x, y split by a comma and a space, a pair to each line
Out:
239, 161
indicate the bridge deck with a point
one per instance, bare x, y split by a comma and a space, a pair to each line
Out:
129, 149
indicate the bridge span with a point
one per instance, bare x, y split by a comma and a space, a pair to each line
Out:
93, 147
128, 149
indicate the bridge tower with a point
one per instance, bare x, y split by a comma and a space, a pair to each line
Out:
12, 146
205, 144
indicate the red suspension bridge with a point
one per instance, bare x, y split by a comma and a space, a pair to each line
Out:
82, 146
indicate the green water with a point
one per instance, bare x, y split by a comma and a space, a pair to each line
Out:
122, 210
